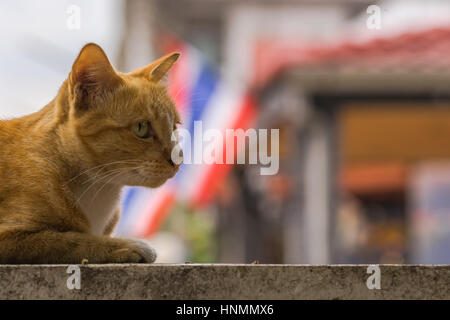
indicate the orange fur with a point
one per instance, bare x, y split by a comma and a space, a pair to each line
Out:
62, 168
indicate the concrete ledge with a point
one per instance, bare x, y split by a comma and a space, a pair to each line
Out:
220, 281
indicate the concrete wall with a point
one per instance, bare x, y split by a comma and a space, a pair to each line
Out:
193, 281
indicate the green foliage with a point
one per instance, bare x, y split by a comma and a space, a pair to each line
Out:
197, 229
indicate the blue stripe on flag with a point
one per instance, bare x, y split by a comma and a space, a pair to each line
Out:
131, 194
201, 93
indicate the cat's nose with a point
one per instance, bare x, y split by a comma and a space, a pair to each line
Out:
179, 160
176, 162
173, 163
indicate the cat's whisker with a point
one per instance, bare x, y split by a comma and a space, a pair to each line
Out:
180, 90
96, 181
112, 177
90, 169
99, 167
121, 171
112, 172
97, 175
104, 176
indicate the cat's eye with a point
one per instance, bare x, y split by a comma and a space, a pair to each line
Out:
143, 130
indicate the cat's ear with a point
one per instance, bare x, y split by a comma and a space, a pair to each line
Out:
158, 69
91, 75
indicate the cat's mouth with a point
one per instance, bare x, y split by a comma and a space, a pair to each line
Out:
152, 176
139, 177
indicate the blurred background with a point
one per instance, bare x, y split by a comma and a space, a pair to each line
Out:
360, 91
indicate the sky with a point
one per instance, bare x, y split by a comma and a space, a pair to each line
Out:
39, 41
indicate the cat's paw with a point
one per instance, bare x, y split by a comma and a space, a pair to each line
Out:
136, 251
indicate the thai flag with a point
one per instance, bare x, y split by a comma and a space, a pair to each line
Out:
200, 95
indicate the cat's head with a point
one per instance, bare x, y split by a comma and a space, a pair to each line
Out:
122, 123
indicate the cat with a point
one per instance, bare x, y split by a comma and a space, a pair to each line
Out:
63, 167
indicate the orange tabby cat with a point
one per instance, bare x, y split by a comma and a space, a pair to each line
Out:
62, 168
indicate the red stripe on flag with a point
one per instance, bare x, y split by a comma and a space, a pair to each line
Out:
217, 173
158, 214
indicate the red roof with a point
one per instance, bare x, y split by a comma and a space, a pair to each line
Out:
425, 51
